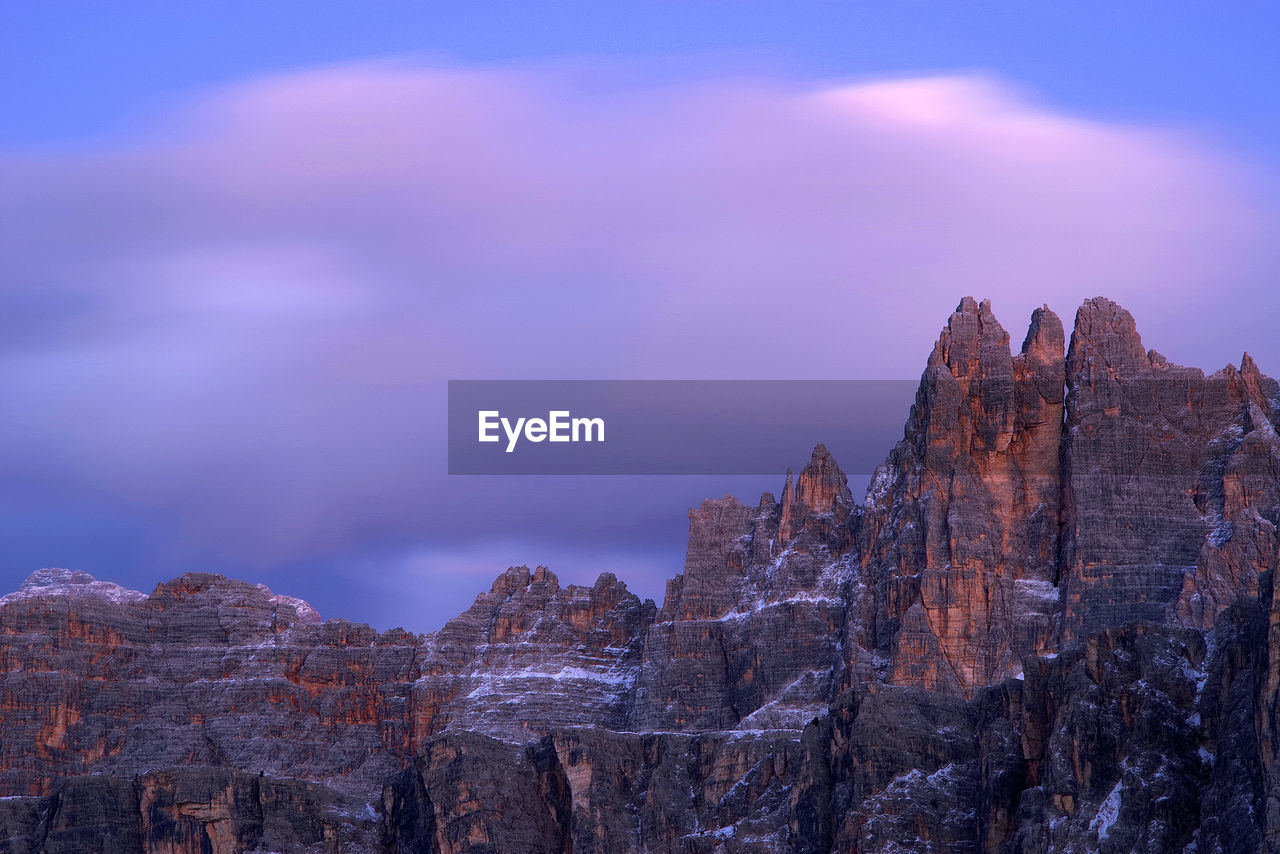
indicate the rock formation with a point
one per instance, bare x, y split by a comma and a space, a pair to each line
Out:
960, 539
1052, 626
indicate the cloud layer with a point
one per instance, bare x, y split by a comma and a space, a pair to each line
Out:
224, 344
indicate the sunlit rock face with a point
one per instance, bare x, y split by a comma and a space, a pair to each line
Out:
1051, 626
960, 538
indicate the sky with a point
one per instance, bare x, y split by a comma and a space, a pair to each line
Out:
244, 246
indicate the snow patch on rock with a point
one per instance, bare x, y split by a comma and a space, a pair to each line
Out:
73, 583
306, 613
1108, 812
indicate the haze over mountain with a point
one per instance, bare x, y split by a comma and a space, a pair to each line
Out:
231, 305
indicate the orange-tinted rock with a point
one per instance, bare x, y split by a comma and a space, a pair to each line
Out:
959, 541
1007, 649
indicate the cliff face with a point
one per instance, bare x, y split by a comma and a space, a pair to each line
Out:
961, 535
1052, 626
1170, 496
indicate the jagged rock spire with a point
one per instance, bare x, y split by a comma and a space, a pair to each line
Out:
820, 489
822, 485
966, 506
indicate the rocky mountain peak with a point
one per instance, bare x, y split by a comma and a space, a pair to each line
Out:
189, 585
1052, 627
305, 613
518, 578
74, 583
822, 486
1105, 340
1045, 342
973, 343
821, 489
1260, 389
959, 540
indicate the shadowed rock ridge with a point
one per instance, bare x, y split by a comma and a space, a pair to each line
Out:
1051, 627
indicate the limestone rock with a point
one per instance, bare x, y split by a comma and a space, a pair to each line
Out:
749, 634
959, 543
1157, 458
530, 655
71, 583
1053, 627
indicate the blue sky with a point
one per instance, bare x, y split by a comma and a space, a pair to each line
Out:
245, 244
78, 71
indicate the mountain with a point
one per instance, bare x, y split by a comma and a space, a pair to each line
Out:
1051, 626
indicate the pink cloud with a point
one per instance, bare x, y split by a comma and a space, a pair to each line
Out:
246, 317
